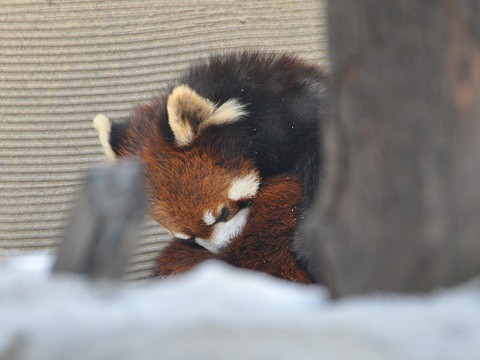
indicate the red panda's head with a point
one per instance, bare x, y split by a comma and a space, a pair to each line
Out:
198, 184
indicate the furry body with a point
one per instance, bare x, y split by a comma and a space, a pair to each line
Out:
208, 141
287, 100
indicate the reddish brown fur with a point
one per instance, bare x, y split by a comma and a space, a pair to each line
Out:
181, 256
265, 244
182, 182
285, 99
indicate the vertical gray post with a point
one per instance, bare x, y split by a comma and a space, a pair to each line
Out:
104, 223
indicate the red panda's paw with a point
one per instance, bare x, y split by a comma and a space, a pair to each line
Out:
179, 257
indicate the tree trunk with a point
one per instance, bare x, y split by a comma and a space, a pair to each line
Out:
399, 207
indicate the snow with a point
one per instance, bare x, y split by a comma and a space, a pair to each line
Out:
218, 312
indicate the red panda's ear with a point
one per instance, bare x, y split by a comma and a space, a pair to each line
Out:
104, 128
111, 135
190, 113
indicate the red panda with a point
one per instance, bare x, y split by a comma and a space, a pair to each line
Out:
208, 141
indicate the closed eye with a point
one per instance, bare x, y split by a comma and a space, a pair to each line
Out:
224, 215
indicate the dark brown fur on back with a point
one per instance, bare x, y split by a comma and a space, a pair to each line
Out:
265, 244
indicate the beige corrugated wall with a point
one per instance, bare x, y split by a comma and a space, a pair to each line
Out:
62, 62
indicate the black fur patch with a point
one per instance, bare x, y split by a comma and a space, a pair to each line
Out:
118, 133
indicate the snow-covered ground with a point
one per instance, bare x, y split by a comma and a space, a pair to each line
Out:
217, 312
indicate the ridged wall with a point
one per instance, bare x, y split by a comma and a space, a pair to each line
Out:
62, 62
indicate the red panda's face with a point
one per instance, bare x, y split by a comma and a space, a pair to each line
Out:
195, 196
194, 191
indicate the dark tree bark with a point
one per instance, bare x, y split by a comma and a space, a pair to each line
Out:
399, 207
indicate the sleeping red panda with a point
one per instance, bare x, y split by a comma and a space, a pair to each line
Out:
209, 140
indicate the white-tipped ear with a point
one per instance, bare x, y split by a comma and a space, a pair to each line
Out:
190, 113
244, 187
104, 127
186, 111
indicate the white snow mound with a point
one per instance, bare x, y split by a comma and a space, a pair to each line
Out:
218, 312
